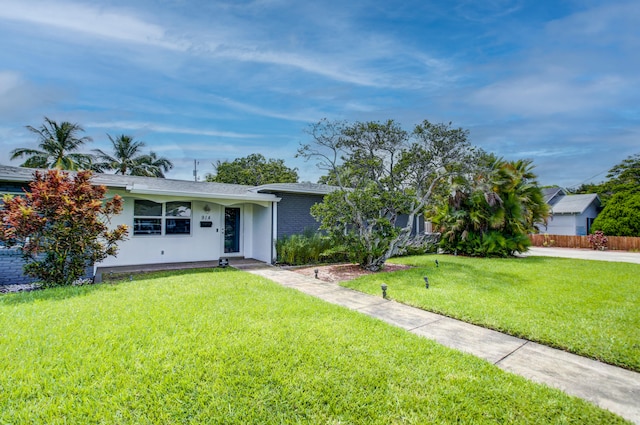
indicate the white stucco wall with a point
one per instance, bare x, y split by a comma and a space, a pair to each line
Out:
203, 244
262, 233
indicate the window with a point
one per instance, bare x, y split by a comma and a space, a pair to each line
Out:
148, 218
175, 225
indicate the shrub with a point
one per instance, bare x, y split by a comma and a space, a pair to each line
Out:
308, 248
60, 226
598, 240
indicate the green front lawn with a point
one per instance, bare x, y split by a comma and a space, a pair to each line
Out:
591, 308
214, 346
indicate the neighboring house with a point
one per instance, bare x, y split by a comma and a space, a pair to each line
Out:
570, 214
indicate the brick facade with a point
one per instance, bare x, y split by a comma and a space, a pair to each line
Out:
11, 266
294, 216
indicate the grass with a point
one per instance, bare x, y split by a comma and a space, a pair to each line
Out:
229, 347
591, 308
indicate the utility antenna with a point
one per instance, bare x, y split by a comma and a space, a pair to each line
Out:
195, 170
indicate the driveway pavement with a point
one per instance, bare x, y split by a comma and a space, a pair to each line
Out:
609, 387
585, 254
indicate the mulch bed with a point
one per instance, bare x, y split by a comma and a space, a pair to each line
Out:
342, 272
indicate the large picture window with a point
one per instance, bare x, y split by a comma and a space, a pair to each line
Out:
150, 217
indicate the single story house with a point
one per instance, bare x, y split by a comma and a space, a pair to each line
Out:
571, 215
179, 221
175, 221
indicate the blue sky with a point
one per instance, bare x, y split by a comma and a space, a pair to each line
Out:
557, 82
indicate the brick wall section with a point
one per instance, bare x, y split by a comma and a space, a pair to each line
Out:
11, 266
293, 213
11, 187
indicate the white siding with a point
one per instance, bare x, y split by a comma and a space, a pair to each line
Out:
561, 225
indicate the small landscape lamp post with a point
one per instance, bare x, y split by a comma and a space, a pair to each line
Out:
384, 290
437, 263
316, 272
426, 282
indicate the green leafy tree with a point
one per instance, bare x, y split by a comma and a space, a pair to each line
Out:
383, 172
621, 215
57, 144
619, 195
492, 214
61, 224
253, 170
127, 158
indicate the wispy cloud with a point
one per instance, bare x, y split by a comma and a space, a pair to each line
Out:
158, 128
94, 21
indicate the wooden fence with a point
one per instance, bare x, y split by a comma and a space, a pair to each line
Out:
621, 243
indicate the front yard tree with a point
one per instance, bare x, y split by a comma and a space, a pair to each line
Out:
383, 172
621, 197
61, 224
253, 170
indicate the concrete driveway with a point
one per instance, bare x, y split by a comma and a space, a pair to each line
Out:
584, 254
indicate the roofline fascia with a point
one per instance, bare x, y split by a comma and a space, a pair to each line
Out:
257, 197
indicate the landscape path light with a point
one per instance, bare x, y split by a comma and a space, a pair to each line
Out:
384, 290
426, 282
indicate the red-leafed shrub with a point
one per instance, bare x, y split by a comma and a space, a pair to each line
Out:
61, 225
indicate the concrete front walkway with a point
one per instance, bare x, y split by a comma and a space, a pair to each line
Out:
609, 387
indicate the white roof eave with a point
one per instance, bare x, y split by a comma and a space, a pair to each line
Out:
249, 197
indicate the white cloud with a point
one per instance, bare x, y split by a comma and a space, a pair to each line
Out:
158, 128
531, 95
93, 21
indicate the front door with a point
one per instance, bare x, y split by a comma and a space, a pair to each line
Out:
231, 230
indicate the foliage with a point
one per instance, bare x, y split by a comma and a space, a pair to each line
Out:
621, 216
57, 143
591, 308
253, 170
60, 225
127, 158
622, 177
493, 214
307, 248
213, 346
620, 196
383, 173
598, 240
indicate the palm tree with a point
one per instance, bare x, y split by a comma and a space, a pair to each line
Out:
57, 143
127, 158
156, 166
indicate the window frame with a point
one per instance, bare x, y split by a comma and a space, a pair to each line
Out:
180, 221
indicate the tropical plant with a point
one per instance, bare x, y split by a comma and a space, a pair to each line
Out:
310, 247
58, 144
61, 226
127, 158
493, 214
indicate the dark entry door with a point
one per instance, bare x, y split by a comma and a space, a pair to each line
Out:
231, 230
